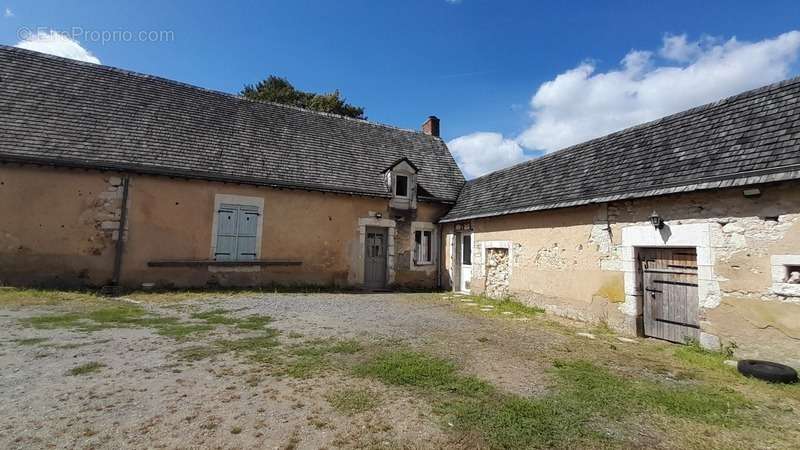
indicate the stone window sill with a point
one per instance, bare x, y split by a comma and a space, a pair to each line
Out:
786, 289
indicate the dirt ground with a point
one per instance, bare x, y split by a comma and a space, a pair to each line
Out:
201, 371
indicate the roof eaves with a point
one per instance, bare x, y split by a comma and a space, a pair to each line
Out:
187, 174
784, 175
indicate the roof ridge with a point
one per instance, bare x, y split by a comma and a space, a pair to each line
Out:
673, 116
4, 47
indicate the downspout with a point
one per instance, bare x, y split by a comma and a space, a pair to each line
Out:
440, 262
120, 245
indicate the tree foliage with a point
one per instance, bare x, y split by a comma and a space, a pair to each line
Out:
279, 90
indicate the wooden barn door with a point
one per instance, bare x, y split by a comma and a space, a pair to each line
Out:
670, 300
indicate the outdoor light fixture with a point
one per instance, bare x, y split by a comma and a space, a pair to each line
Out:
656, 220
378, 215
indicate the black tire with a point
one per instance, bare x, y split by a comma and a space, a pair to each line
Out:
767, 371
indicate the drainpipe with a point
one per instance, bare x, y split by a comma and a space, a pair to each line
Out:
120, 246
440, 257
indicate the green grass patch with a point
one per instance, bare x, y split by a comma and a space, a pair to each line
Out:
410, 368
509, 306
221, 316
182, 330
217, 316
85, 369
30, 341
257, 349
26, 297
197, 352
586, 402
51, 321
124, 315
310, 358
353, 401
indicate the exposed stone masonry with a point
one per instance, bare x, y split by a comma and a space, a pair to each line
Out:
497, 273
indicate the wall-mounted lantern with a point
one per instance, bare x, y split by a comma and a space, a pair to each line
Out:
656, 220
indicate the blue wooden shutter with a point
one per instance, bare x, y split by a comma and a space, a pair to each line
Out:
227, 217
247, 233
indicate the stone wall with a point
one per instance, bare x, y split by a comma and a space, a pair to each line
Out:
574, 261
66, 222
497, 274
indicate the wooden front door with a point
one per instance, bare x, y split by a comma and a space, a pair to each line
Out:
375, 258
670, 302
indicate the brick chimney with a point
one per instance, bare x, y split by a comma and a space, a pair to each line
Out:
431, 126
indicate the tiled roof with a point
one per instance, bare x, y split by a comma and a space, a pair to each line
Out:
63, 112
750, 138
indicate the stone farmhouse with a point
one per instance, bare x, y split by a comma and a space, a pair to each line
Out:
687, 227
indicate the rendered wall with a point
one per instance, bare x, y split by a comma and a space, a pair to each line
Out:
65, 222
573, 262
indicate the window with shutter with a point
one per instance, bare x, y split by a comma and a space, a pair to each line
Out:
237, 233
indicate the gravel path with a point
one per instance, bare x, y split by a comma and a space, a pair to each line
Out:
143, 397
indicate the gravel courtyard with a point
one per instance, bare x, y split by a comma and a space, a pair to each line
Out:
270, 370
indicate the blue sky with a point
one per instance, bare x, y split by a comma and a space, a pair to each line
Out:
475, 64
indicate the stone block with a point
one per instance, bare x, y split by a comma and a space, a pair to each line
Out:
115, 181
109, 225
710, 341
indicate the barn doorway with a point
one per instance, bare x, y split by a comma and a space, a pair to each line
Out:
670, 302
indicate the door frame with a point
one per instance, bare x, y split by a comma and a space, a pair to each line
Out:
458, 266
697, 235
677, 332
356, 276
385, 231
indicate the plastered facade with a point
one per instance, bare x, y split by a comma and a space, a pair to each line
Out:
581, 262
65, 221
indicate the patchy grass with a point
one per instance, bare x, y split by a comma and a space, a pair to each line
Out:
197, 352
203, 294
410, 368
30, 341
257, 349
32, 297
85, 369
123, 315
585, 403
221, 316
508, 307
181, 331
312, 357
353, 401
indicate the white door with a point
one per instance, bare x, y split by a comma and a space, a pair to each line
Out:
465, 260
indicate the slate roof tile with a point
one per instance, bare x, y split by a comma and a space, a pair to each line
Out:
63, 112
751, 137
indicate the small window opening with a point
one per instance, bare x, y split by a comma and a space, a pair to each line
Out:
423, 247
401, 186
792, 274
466, 250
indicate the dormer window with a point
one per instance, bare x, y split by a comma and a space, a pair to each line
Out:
401, 181
401, 185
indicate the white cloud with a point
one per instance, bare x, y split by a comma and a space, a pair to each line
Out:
57, 44
8, 12
581, 103
480, 153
